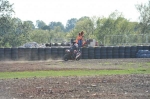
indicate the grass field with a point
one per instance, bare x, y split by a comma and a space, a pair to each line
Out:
128, 68
73, 68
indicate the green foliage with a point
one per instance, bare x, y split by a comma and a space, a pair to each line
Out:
83, 24
53, 25
144, 10
6, 9
39, 36
40, 24
14, 32
115, 24
70, 24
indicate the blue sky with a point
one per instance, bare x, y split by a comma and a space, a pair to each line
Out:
62, 10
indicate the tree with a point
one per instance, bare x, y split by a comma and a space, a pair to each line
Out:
14, 32
144, 10
39, 36
85, 24
46, 27
52, 25
40, 24
6, 11
5, 15
115, 24
31, 25
5, 8
71, 24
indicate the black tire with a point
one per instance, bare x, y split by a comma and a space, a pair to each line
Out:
66, 57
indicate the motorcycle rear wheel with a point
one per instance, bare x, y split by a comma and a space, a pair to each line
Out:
66, 57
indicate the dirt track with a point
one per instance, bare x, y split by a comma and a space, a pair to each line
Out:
135, 86
59, 64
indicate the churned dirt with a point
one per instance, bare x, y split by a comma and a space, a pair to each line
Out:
135, 86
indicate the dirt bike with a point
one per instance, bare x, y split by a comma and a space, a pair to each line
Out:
75, 55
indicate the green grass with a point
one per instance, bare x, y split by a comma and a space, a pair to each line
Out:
148, 63
27, 74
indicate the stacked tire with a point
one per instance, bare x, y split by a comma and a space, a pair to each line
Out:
127, 52
54, 52
61, 52
41, 54
115, 52
7, 53
146, 47
27, 54
121, 51
97, 51
14, 53
133, 51
109, 52
21, 54
47, 53
91, 53
84, 53
1, 54
140, 47
103, 52
34, 54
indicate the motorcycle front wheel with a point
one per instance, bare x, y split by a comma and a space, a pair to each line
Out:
78, 56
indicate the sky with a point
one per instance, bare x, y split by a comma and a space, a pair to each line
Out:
63, 10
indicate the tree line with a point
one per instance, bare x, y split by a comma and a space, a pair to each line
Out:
14, 32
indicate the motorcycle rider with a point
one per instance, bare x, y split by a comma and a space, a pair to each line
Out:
74, 49
79, 40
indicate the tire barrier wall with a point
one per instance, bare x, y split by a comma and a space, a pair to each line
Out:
115, 52
21, 53
7, 53
41, 54
47, 53
109, 52
1, 54
121, 52
61, 52
34, 54
54, 53
85, 53
90, 53
97, 52
27, 54
127, 51
14, 53
104, 52
133, 51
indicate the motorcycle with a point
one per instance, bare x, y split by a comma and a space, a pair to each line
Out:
75, 55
